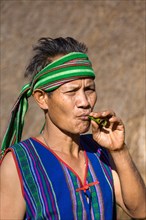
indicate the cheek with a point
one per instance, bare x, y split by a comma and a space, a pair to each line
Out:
93, 100
61, 111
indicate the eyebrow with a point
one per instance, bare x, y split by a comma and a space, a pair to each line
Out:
71, 87
75, 86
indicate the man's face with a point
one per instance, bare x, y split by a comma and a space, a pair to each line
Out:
70, 105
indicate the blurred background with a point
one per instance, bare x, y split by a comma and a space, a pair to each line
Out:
113, 30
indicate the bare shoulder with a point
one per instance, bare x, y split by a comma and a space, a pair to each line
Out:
10, 188
9, 172
8, 166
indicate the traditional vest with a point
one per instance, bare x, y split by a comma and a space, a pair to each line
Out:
52, 189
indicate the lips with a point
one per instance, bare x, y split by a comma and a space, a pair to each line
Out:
84, 116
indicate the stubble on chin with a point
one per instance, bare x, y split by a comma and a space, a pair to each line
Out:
83, 128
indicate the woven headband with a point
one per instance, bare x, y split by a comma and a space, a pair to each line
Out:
72, 66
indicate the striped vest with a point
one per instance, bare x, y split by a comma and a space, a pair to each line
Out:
53, 191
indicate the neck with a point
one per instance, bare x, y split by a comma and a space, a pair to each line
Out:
60, 141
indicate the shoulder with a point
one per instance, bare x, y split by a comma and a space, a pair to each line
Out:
9, 162
9, 170
21, 144
22, 148
8, 165
10, 187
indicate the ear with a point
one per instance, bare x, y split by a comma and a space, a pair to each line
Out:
41, 98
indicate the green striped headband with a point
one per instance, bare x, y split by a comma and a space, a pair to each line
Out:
72, 66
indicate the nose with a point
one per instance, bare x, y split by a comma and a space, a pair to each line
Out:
82, 100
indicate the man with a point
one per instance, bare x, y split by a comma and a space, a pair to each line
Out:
60, 173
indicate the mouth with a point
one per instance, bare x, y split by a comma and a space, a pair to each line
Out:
84, 117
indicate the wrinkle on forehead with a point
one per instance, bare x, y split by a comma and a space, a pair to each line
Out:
78, 83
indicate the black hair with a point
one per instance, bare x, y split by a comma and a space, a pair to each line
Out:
48, 48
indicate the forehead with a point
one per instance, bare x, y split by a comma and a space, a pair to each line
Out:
79, 82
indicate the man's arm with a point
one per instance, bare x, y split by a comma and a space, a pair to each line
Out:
12, 204
129, 187
130, 191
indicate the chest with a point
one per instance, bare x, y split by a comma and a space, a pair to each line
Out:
51, 188
62, 188
78, 166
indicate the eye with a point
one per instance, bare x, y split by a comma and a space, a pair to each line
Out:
71, 92
90, 89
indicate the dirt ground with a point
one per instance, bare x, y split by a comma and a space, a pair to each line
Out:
114, 31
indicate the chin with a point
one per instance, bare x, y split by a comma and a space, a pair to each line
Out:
79, 129
84, 130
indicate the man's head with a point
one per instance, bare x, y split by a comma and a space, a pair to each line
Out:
69, 106
49, 49
75, 95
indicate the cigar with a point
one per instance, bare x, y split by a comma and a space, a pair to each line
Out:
100, 121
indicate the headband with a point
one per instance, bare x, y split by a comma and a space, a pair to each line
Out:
70, 67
